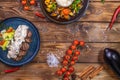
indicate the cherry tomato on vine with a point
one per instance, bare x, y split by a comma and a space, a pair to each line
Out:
77, 53
66, 78
59, 72
67, 73
63, 69
32, 2
73, 47
69, 52
26, 8
75, 42
71, 69
67, 57
82, 43
74, 58
65, 62
72, 62
24, 2
2, 42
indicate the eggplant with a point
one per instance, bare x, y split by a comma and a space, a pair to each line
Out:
112, 58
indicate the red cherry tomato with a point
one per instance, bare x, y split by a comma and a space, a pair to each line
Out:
67, 57
77, 53
24, 2
72, 62
71, 69
26, 8
65, 62
74, 58
63, 69
82, 43
73, 47
66, 78
32, 2
59, 73
67, 73
75, 42
69, 52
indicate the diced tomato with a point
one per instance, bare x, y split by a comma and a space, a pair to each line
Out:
66, 11
2, 42
71, 69
9, 30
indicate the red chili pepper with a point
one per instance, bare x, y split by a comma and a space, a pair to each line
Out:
117, 11
11, 70
39, 15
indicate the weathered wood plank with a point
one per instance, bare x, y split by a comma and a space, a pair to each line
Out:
96, 11
42, 72
57, 39
92, 52
89, 32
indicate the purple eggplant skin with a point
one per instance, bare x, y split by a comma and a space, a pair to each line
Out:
112, 58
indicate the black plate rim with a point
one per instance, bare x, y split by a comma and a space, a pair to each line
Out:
66, 22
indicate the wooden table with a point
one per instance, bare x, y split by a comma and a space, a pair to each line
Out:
57, 38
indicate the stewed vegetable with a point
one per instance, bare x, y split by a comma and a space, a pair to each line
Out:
63, 12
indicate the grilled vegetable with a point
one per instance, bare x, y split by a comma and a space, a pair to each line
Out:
76, 5
61, 12
5, 37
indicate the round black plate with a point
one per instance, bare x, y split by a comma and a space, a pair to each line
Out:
80, 14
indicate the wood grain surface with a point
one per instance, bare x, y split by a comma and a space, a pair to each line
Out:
97, 12
57, 38
41, 71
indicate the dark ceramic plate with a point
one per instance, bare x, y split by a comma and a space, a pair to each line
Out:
34, 45
79, 15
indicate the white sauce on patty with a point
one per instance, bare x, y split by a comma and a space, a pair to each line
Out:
64, 3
